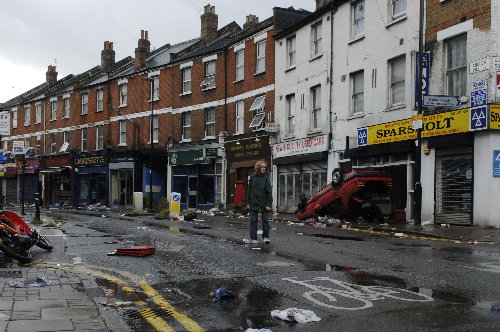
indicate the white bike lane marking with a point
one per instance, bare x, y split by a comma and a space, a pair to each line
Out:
342, 295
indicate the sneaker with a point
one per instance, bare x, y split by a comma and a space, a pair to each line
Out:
266, 240
250, 241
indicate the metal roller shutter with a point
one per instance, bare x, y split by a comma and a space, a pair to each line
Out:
454, 176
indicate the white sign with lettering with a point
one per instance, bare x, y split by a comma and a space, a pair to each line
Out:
301, 146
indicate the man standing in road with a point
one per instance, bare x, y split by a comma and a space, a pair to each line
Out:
259, 198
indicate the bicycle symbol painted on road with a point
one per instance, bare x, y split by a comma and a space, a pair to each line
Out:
343, 295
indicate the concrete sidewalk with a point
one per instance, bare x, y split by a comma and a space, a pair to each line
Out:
66, 305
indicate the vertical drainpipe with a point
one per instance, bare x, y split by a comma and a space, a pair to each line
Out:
224, 161
330, 104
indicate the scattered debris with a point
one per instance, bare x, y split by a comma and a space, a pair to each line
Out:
258, 330
31, 282
399, 234
445, 225
201, 226
495, 308
190, 216
223, 294
109, 292
427, 222
133, 251
296, 315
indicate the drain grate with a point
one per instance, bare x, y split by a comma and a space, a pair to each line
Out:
11, 274
148, 313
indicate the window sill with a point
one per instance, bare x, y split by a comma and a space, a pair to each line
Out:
154, 100
356, 116
207, 89
185, 94
315, 57
238, 81
66, 117
288, 136
154, 142
397, 106
314, 132
52, 120
259, 129
259, 73
122, 144
124, 105
185, 140
290, 68
97, 111
208, 138
83, 113
26, 125
396, 20
239, 133
356, 39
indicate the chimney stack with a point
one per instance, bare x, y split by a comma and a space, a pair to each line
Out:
321, 3
209, 24
51, 75
107, 57
142, 51
251, 21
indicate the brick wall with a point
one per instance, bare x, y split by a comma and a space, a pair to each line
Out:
441, 15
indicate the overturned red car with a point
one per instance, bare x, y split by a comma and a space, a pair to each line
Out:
350, 195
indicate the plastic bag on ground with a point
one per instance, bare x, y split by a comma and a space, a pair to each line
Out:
296, 315
223, 294
258, 330
32, 282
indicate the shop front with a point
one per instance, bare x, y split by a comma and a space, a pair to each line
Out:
8, 181
455, 146
241, 156
28, 179
302, 167
90, 179
197, 175
121, 174
56, 178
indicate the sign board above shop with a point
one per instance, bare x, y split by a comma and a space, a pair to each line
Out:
301, 146
192, 157
447, 123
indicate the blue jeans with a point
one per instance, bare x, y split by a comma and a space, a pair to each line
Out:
254, 219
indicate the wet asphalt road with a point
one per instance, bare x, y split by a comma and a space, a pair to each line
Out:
351, 280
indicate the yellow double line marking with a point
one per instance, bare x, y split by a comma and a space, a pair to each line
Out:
392, 234
158, 323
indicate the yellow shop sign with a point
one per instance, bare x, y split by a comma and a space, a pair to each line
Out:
494, 116
433, 125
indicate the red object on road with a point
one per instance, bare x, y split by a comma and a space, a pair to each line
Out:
135, 251
349, 195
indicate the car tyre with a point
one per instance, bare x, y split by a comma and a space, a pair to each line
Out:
337, 178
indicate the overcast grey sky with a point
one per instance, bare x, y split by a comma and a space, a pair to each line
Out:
70, 33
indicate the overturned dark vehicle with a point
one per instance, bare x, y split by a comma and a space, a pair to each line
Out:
360, 193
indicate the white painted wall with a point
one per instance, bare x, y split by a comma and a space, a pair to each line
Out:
299, 79
381, 43
486, 197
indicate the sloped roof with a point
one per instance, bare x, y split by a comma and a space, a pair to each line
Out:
287, 17
217, 44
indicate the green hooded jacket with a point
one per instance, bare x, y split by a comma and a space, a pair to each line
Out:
259, 192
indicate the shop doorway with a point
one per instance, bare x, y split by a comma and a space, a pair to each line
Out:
454, 178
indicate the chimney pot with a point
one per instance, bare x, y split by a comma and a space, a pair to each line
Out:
51, 75
321, 3
251, 20
107, 57
209, 23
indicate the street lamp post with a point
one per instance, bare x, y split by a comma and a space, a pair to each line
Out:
23, 167
152, 80
418, 156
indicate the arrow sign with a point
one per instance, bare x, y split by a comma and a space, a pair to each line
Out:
441, 101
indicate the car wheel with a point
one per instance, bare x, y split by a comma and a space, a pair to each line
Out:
337, 178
